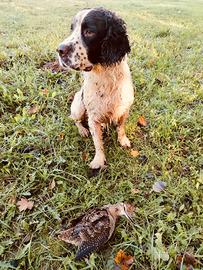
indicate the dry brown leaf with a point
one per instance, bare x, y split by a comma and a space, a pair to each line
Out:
45, 91
52, 184
70, 98
142, 121
134, 153
34, 109
123, 260
61, 136
187, 259
24, 204
84, 156
53, 66
27, 238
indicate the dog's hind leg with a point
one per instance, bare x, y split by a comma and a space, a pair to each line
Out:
122, 138
78, 112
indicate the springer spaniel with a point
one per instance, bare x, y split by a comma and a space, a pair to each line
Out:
98, 46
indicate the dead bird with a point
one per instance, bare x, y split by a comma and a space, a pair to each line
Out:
93, 229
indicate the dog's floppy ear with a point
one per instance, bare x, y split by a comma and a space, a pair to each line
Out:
115, 44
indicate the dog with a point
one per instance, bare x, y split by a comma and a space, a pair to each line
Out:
98, 46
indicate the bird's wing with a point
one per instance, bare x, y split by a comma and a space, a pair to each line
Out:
92, 244
76, 232
90, 231
71, 234
95, 232
77, 220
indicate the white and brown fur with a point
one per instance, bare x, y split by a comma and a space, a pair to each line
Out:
98, 45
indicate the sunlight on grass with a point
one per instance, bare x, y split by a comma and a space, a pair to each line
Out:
39, 143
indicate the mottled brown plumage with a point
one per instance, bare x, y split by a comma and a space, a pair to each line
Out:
93, 229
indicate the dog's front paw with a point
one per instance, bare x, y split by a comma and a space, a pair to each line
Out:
124, 142
98, 162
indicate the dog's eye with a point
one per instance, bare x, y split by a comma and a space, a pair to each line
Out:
71, 27
88, 33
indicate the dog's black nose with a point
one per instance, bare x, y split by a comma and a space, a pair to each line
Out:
64, 49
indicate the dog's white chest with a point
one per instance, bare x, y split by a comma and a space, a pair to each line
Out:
100, 104
108, 95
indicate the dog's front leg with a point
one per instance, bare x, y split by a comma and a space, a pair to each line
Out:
78, 113
122, 138
96, 132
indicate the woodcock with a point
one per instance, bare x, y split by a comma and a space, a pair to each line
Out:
93, 229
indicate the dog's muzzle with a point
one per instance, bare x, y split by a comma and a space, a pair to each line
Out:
65, 53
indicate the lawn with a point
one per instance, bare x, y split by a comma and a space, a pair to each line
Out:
43, 158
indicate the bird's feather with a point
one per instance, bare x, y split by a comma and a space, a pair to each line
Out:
93, 244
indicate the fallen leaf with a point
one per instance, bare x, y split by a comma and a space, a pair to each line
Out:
130, 261
135, 191
134, 153
27, 238
143, 159
24, 204
52, 184
142, 121
61, 136
181, 208
54, 67
70, 98
123, 260
146, 194
186, 259
84, 156
159, 80
45, 91
34, 109
149, 175
119, 256
159, 186
12, 199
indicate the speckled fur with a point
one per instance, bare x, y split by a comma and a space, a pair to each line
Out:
105, 97
78, 58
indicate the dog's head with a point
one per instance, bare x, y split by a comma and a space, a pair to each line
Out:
98, 37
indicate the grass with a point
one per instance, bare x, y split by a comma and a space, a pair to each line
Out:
37, 148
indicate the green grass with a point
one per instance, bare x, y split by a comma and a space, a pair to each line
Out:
166, 64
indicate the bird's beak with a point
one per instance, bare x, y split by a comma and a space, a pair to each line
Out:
129, 218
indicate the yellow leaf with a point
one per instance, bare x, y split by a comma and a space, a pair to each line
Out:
45, 91
61, 136
84, 156
123, 260
134, 153
142, 121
